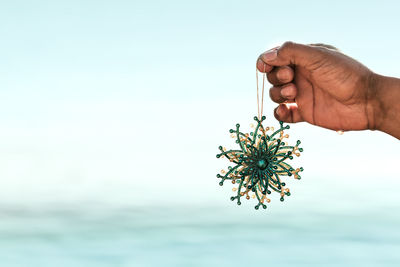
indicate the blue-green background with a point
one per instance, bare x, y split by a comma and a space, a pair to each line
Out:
111, 113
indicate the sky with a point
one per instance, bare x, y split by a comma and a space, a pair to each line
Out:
126, 102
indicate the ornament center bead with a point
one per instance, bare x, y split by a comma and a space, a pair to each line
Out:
262, 164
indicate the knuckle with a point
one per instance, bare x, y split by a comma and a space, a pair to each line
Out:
285, 74
276, 114
272, 92
271, 78
286, 46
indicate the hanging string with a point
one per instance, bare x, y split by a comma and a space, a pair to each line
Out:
258, 98
260, 107
262, 94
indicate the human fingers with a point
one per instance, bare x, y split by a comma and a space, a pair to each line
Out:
288, 113
263, 67
291, 53
280, 94
280, 75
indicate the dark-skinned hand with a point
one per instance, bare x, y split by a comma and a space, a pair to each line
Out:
330, 89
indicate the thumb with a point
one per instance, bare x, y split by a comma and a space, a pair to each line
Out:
291, 53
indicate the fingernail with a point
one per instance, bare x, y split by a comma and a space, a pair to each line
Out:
269, 55
286, 91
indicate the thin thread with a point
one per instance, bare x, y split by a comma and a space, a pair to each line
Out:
258, 98
260, 114
262, 94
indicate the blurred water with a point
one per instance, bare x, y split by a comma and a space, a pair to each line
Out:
197, 236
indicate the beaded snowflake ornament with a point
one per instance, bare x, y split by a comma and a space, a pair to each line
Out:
260, 162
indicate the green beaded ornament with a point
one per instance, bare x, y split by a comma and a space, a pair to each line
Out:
260, 163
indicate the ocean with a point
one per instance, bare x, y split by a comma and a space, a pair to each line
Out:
100, 236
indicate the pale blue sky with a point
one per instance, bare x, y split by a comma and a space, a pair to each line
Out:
134, 49
92, 91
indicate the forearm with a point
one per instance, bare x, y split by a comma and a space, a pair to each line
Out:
387, 106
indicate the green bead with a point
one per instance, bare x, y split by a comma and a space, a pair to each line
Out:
262, 164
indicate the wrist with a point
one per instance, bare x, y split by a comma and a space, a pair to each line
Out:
385, 104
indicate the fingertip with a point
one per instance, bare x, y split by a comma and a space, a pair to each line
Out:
270, 55
280, 75
289, 91
276, 114
285, 74
275, 94
262, 66
282, 113
288, 112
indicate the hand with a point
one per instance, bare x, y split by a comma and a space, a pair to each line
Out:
330, 89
